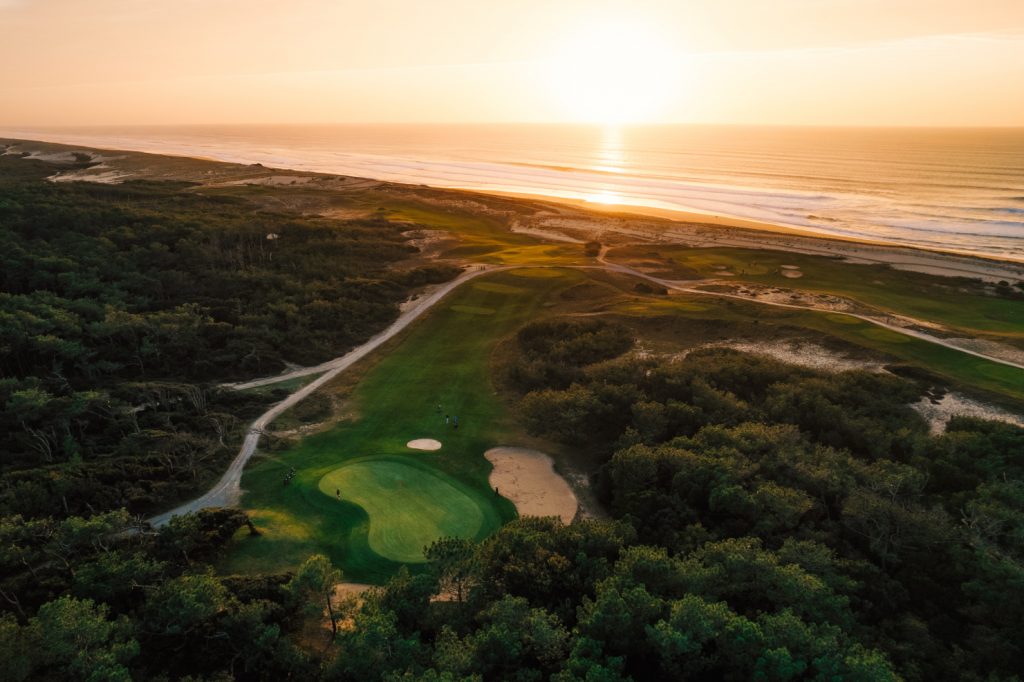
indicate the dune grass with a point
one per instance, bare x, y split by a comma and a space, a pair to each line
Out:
961, 304
485, 240
444, 359
1001, 382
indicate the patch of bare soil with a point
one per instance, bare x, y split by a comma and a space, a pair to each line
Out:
803, 354
939, 412
768, 294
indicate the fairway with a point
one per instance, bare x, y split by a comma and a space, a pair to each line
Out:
409, 506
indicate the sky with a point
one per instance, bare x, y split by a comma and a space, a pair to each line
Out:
786, 62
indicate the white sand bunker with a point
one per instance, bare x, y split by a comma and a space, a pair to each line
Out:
791, 271
528, 478
424, 444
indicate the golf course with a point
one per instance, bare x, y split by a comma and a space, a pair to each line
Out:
391, 473
360, 494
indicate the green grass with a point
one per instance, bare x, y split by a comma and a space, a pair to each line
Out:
485, 240
444, 359
409, 505
957, 303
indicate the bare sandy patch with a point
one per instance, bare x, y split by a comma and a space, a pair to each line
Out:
938, 413
55, 157
803, 354
777, 295
424, 444
528, 478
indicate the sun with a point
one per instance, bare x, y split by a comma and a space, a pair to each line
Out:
612, 73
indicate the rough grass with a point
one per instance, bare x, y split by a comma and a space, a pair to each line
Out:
960, 304
486, 240
967, 371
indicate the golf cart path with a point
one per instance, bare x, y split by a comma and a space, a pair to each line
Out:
227, 491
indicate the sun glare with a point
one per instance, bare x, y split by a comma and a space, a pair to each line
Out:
613, 73
604, 197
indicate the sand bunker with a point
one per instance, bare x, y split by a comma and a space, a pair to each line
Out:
528, 478
791, 271
424, 444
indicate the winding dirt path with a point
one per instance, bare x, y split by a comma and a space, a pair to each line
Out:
227, 491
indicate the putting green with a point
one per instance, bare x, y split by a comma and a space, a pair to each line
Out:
409, 507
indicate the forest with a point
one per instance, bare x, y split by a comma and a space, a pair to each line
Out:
123, 307
764, 521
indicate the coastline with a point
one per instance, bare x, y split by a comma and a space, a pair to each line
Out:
580, 220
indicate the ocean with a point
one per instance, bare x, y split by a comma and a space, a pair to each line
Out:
955, 189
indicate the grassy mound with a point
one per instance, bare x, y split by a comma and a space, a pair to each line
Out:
409, 506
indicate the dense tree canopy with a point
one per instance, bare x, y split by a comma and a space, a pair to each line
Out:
121, 308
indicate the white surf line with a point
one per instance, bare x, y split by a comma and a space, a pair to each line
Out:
227, 491
669, 284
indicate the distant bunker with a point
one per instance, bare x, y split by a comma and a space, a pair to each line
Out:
424, 444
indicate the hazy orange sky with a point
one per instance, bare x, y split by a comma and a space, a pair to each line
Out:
827, 62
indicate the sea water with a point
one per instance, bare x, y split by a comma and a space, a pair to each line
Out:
957, 189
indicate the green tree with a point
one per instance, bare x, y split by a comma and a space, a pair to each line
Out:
312, 588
